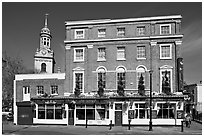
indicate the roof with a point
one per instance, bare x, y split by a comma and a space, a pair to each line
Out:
104, 21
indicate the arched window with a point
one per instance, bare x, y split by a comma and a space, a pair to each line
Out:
140, 74
43, 67
121, 76
101, 77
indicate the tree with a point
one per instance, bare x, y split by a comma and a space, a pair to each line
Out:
77, 88
165, 84
121, 85
100, 86
141, 86
10, 67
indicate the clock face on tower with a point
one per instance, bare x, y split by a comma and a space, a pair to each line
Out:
43, 52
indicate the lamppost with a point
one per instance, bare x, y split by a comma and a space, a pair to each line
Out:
150, 101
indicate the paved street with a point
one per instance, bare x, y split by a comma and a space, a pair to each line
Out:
10, 129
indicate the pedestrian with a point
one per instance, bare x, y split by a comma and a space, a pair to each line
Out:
188, 120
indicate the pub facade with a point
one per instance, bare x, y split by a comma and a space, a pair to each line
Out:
107, 76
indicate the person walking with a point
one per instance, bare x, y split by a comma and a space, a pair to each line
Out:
188, 120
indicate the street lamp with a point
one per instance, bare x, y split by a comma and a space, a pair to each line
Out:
150, 101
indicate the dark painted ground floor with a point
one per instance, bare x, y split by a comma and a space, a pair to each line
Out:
10, 129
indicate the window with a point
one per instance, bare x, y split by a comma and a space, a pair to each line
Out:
166, 110
40, 90
50, 111
140, 111
140, 73
101, 77
79, 34
121, 53
141, 52
78, 81
121, 32
165, 29
101, 54
101, 32
54, 90
166, 81
165, 51
121, 77
26, 90
78, 54
80, 114
141, 30
43, 67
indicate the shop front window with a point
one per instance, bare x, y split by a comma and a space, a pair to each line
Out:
140, 111
80, 114
41, 111
58, 112
166, 110
90, 114
100, 114
50, 111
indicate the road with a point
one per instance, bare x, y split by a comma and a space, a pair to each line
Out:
10, 129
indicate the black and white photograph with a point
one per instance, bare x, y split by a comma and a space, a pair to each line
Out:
101, 68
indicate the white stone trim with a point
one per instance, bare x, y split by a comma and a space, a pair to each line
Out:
121, 39
160, 51
178, 42
90, 46
70, 23
165, 25
160, 73
40, 76
75, 35
82, 60
74, 78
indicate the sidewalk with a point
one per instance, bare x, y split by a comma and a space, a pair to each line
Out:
9, 128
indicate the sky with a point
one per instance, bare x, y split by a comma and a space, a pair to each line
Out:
22, 22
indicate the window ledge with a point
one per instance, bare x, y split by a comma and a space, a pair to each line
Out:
121, 59
101, 60
77, 61
141, 58
55, 94
165, 58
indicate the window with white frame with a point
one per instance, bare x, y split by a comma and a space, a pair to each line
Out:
141, 52
165, 29
165, 51
26, 89
121, 77
166, 110
40, 90
79, 54
79, 81
101, 77
102, 32
166, 80
79, 34
140, 73
121, 31
141, 30
121, 53
140, 111
54, 89
101, 54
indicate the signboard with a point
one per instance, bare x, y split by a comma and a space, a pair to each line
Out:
131, 114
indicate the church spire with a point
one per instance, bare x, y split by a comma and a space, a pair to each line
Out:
46, 20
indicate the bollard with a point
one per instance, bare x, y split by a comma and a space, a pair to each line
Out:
129, 124
86, 122
110, 125
182, 126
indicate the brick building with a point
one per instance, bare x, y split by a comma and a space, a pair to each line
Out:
120, 54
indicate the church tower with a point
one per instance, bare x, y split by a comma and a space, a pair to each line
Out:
44, 56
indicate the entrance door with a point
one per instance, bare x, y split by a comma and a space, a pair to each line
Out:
118, 118
26, 93
25, 115
71, 117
